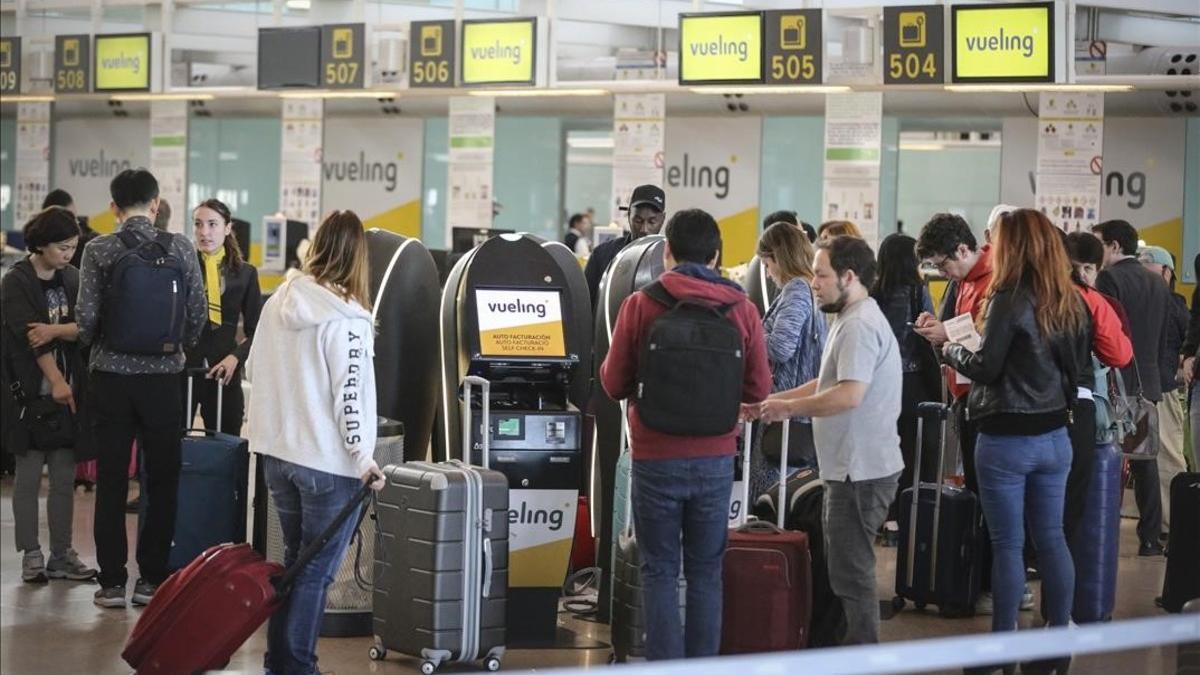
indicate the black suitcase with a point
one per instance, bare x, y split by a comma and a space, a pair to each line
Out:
938, 554
1182, 580
441, 558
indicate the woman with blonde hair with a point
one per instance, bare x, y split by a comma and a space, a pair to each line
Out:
795, 333
1025, 376
312, 416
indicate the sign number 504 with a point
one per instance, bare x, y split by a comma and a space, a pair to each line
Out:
341, 73
793, 67
911, 65
431, 71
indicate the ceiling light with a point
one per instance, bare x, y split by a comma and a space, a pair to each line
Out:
302, 5
529, 93
1032, 88
374, 95
126, 98
28, 99
774, 89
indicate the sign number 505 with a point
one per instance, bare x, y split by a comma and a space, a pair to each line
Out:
793, 67
911, 65
431, 71
341, 73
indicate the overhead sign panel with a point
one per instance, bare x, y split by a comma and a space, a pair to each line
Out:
72, 64
10, 65
1003, 43
122, 62
793, 46
343, 49
431, 54
289, 58
721, 48
499, 52
914, 44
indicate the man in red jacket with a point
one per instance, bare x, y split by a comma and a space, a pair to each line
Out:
681, 483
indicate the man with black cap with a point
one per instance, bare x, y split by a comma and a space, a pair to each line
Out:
646, 213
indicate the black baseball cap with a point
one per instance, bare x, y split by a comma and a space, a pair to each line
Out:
648, 195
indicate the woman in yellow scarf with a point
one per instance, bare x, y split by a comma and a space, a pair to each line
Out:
234, 301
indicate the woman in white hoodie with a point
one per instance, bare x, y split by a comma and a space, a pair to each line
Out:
312, 415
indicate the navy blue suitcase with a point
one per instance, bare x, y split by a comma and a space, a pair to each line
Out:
213, 482
1097, 541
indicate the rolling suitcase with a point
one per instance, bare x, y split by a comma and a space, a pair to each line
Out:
213, 485
1096, 544
204, 612
937, 556
441, 558
767, 579
1181, 582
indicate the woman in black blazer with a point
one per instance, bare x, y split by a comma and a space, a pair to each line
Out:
42, 366
233, 292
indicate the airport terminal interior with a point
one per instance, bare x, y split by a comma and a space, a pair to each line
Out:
207, 205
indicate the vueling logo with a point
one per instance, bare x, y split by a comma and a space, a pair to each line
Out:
693, 176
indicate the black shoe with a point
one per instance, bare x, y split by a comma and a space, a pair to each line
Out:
1006, 668
1150, 549
1059, 666
134, 505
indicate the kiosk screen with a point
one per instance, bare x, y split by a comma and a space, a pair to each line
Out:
520, 323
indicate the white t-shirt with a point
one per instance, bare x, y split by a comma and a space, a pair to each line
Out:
861, 443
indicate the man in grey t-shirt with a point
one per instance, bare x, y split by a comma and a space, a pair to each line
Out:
854, 403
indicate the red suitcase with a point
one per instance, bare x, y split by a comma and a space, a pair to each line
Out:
204, 612
768, 579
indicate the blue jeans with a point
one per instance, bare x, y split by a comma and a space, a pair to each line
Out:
307, 501
688, 497
1024, 478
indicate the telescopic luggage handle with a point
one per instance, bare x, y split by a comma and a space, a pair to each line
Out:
191, 374
485, 432
940, 412
283, 583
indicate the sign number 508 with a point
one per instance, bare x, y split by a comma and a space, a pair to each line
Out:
341, 73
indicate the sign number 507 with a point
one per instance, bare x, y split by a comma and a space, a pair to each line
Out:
793, 67
341, 73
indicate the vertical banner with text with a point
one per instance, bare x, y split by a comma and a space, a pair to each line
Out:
169, 156
853, 148
33, 160
472, 145
1070, 159
300, 160
374, 166
639, 132
713, 164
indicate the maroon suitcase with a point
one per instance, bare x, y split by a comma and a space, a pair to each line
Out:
204, 612
767, 578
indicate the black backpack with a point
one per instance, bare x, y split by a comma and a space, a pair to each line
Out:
145, 303
691, 371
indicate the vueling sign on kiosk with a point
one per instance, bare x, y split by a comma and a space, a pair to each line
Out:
517, 323
1004, 43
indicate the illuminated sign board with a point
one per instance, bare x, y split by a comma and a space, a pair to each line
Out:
10, 65
343, 52
721, 48
1003, 43
431, 54
914, 44
499, 52
793, 43
72, 64
122, 62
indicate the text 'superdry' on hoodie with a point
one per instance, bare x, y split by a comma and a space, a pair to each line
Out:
312, 380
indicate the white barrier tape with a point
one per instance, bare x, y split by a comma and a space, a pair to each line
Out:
939, 654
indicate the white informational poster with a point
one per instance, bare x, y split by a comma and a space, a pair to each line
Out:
301, 148
32, 160
373, 165
639, 134
472, 146
1070, 158
713, 164
853, 148
169, 157
89, 152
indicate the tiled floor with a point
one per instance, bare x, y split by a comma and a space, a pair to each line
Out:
56, 629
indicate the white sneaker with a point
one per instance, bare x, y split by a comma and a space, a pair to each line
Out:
1027, 599
33, 567
69, 566
983, 606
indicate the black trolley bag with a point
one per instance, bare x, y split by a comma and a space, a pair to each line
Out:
938, 554
441, 557
1181, 583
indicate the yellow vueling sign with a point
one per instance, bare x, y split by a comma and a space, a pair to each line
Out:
499, 52
122, 62
1004, 43
720, 48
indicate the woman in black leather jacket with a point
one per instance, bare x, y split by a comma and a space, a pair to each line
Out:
1025, 375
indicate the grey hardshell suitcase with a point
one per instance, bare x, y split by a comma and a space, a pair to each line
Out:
441, 558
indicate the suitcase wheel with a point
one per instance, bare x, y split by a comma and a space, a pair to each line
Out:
428, 667
898, 603
919, 605
377, 652
492, 664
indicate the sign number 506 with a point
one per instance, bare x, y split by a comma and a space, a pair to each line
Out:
793, 67
431, 71
341, 73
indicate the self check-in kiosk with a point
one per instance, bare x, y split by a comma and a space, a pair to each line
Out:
636, 266
759, 287
515, 310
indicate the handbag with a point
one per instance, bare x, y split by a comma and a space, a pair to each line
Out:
1137, 419
51, 425
801, 450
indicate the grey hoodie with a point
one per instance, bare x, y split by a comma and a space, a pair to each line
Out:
312, 375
